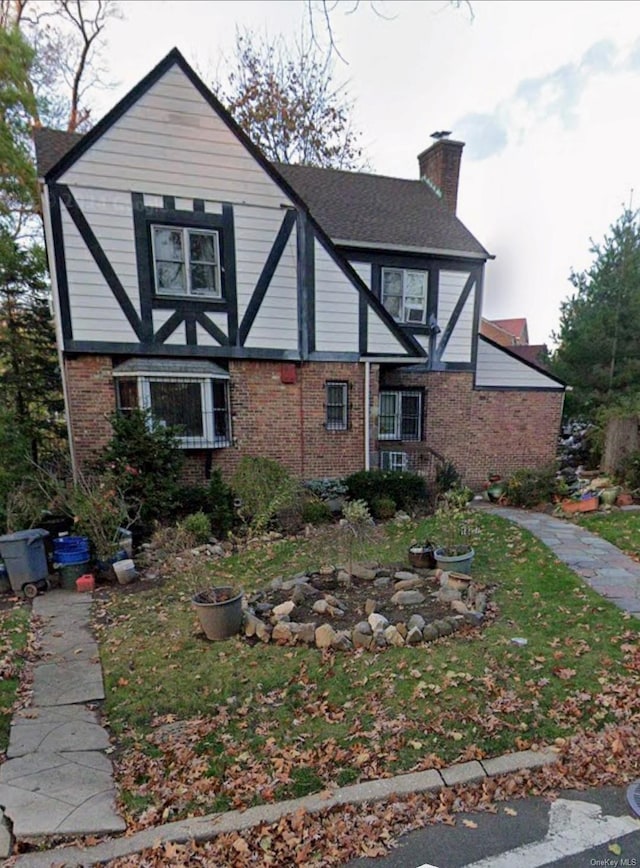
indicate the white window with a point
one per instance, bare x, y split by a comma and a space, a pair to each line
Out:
400, 416
186, 261
337, 406
404, 294
196, 407
394, 461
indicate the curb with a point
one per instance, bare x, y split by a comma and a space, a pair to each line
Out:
208, 827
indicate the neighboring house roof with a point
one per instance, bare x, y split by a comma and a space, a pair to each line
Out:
361, 208
516, 327
532, 353
352, 207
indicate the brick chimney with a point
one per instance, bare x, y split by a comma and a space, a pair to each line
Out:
440, 168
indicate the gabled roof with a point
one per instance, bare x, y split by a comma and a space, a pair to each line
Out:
355, 207
516, 327
380, 211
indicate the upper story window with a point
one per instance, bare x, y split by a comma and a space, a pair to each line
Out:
404, 294
186, 262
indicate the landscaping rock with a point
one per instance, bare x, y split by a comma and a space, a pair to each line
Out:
359, 571
250, 623
379, 640
393, 636
263, 631
290, 584
325, 636
5, 837
276, 584
382, 582
460, 607
263, 608
370, 606
459, 581
342, 642
405, 576
304, 633
362, 640
334, 602
282, 633
416, 621
408, 584
430, 633
475, 618
326, 570
480, 604
364, 627
302, 591
401, 518
321, 607
407, 598
401, 627
414, 636
443, 627
448, 595
344, 578
377, 622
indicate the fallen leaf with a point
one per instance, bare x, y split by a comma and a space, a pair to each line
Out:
511, 812
615, 848
469, 824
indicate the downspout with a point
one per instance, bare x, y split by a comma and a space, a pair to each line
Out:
301, 405
367, 415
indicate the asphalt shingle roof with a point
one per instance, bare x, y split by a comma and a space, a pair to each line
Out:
350, 206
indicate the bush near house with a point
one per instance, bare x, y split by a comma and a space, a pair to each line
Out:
528, 488
406, 490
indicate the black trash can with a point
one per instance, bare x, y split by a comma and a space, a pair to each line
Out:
25, 558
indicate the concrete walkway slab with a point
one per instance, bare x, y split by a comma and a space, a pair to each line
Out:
67, 682
68, 793
55, 729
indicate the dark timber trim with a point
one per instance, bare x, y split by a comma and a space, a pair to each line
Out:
60, 265
182, 351
211, 328
143, 261
268, 270
190, 330
198, 205
305, 286
363, 325
99, 256
229, 269
455, 315
168, 328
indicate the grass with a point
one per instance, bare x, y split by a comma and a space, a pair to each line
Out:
265, 723
620, 528
14, 637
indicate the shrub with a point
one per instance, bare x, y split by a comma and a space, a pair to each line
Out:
531, 487
264, 488
197, 525
189, 499
407, 490
145, 459
447, 477
383, 508
630, 470
316, 512
219, 504
326, 488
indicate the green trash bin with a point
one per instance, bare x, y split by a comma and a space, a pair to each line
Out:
25, 558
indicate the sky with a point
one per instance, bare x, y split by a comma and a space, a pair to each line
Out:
545, 94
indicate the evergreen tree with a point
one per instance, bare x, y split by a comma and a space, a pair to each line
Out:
598, 350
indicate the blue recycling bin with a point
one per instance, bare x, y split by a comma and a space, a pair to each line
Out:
25, 558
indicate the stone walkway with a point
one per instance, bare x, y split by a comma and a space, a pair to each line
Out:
57, 780
600, 564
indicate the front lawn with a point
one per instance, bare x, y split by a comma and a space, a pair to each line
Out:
14, 639
203, 727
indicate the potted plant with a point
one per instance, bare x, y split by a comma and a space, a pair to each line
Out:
220, 612
453, 550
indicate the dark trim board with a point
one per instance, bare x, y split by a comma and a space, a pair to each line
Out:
60, 266
106, 269
190, 305
229, 271
554, 389
112, 348
397, 259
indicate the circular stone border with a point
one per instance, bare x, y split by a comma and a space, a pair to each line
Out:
322, 597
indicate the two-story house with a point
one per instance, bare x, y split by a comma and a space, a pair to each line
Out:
326, 319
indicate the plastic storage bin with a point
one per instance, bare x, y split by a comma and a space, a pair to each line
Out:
70, 550
25, 558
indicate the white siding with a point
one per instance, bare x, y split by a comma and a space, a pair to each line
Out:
177, 337
460, 342
497, 368
255, 231
337, 307
204, 339
171, 142
95, 313
363, 270
276, 324
381, 340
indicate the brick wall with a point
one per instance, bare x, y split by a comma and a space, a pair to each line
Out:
91, 396
483, 430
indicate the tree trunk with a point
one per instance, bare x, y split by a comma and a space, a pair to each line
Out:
621, 439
